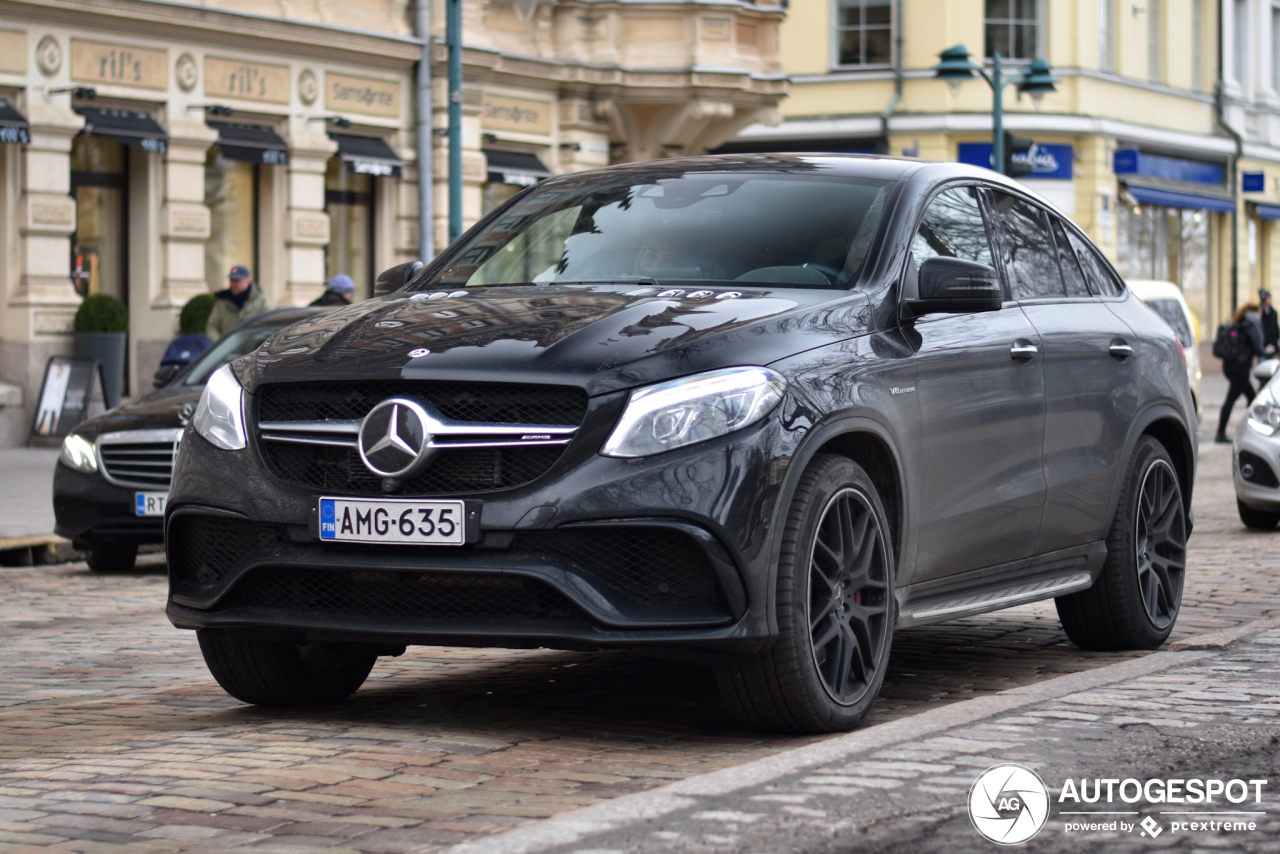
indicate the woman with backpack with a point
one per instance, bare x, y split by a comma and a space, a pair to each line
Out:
1237, 345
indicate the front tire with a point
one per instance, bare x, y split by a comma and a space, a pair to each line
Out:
1262, 520
271, 673
1135, 600
112, 557
835, 610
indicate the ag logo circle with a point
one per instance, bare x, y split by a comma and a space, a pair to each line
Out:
1008, 804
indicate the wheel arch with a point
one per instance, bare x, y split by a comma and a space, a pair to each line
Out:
1164, 424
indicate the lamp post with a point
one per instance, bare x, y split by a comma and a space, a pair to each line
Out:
1035, 80
453, 40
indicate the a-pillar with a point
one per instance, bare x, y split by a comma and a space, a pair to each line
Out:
308, 224
36, 321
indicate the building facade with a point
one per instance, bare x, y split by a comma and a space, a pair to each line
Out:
146, 148
1134, 145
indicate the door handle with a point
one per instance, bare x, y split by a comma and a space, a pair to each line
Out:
1120, 349
1023, 350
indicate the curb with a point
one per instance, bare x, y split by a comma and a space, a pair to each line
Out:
621, 812
36, 549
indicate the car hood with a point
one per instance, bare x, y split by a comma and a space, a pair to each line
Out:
601, 337
171, 406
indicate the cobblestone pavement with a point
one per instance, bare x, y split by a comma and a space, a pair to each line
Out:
112, 733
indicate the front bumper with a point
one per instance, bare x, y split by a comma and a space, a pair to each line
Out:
1260, 455
90, 511
669, 551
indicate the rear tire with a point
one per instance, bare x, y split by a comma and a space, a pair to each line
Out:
1134, 601
1262, 520
112, 557
835, 610
271, 673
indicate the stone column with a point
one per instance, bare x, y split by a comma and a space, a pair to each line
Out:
308, 224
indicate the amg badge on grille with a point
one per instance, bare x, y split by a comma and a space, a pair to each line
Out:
394, 440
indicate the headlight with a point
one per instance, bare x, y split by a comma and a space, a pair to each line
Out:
78, 452
693, 409
1264, 412
220, 416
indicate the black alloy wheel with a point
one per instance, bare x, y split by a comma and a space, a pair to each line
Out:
848, 596
834, 606
1135, 599
1160, 537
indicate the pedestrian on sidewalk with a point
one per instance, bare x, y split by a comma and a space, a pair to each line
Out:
240, 301
1237, 362
1270, 322
341, 289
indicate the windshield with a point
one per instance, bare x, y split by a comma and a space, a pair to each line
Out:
227, 349
780, 230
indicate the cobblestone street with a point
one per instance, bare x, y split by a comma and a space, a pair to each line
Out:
112, 732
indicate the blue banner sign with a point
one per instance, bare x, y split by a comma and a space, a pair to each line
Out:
1130, 161
1047, 160
1253, 182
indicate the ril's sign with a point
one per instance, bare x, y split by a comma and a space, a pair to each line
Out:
1047, 160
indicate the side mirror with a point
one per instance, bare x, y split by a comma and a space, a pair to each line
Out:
1266, 370
395, 278
165, 374
953, 285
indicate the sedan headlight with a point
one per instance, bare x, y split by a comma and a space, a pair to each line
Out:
693, 409
79, 453
1264, 412
220, 416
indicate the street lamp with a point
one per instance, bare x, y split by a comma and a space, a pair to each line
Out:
1035, 80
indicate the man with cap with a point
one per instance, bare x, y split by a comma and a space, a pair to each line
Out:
240, 301
1270, 323
341, 290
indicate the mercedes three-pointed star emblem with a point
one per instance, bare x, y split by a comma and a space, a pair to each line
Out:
393, 440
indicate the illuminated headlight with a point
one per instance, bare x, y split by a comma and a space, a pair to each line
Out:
693, 409
1264, 412
78, 452
220, 416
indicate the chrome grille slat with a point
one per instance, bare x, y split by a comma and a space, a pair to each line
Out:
139, 458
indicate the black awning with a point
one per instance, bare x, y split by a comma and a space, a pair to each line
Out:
251, 144
368, 155
14, 126
515, 167
127, 126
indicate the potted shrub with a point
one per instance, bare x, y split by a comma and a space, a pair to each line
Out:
101, 325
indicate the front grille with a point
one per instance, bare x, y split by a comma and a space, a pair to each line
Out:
451, 472
147, 464
374, 593
203, 550
1255, 469
493, 403
646, 565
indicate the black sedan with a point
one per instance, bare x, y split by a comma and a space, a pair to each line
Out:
757, 409
112, 478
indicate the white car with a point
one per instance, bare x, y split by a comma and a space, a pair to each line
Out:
1165, 299
1255, 453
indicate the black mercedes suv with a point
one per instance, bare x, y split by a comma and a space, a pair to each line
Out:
758, 409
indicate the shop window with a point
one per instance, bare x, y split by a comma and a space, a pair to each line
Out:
231, 194
1012, 28
864, 33
349, 199
99, 172
1167, 244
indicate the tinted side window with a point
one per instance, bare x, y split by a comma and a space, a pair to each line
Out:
1101, 280
952, 226
1026, 248
1071, 273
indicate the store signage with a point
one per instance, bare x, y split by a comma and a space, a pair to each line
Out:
347, 94
1047, 160
13, 52
522, 115
1253, 182
251, 81
1130, 161
120, 65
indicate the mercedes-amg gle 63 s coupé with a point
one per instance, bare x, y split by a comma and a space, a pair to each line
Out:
757, 409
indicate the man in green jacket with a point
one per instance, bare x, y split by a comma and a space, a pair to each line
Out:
241, 301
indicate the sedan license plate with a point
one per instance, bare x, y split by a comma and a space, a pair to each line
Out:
149, 503
396, 521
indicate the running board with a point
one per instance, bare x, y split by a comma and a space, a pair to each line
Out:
992, 600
